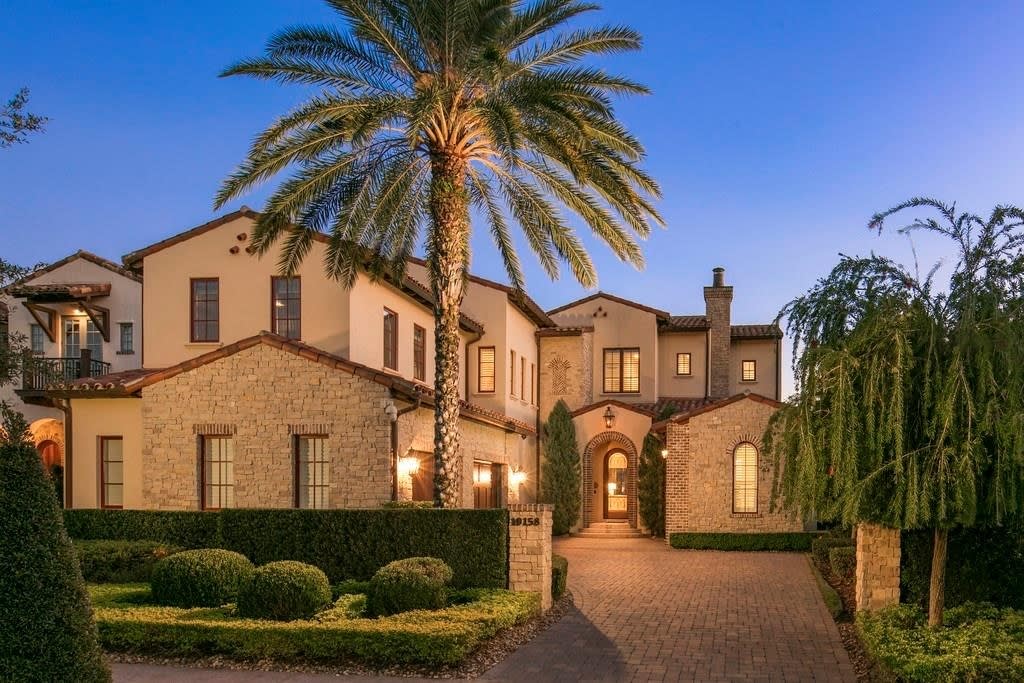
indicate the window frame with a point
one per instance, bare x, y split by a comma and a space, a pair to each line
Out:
203, 438
128, 350
533, 384
419, 353
390, 340
297, 471
689, 364
757, 483
32, 329
512, 374
193, 339
743, 370
274, 318
522, 379
103, 462
479, 370
621, 351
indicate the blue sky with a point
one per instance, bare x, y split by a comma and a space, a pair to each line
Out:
775, 129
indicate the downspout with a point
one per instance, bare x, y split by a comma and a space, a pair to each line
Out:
778, 370
536, 441
394, 445
65, 407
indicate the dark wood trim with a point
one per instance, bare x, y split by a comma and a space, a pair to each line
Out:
494, 369
604, 493
622, 374
757, 484
512, 373
394, 339
202, 467
689, 363
49, 325
273, 309
744, 362
192, 310
101, 440
419, 355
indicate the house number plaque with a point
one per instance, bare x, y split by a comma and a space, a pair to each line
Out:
524, 521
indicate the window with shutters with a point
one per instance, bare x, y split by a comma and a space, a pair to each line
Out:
683, 364
749, 371
622, 371
744, 475
485, 370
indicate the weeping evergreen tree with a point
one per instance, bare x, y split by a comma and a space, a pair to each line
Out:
426, 109
650, 485
910, 411
560, 483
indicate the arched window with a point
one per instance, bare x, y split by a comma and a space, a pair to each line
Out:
744, 478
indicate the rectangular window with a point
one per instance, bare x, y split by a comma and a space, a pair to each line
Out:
286, 307
749, 371
419, 353
205, 310
522, 378
485, 370
744, 491
217, 454
621, 371
111, 472
36, 339
533, 384
682, 364
312, 472
390, 339
93, 340
127, 336
512, 373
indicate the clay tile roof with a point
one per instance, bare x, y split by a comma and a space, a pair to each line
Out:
770, 331
635, 407
685, 323
420, 291
676, 404
115, 381
80, 254
74, 290
662, 315
713, 404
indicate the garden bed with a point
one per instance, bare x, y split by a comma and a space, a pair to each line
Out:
128, 622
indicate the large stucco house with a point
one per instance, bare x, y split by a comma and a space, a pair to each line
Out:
203, 380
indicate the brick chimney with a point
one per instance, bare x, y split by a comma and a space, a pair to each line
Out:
718, 306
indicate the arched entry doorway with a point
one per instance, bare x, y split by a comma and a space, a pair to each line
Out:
609, 479
49, 453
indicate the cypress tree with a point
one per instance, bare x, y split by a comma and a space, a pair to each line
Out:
650, 488
560, 484
47, 632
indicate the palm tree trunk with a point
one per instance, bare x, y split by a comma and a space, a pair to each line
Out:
937, 587
448, 255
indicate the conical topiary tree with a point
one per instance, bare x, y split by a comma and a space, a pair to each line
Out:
560, 484
650, 488
47, 631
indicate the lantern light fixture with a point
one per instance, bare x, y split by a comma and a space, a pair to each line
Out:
609, 418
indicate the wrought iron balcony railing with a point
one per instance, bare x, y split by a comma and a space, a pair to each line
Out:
37, 373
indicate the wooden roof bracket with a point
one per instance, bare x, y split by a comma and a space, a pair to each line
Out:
99, 316
49, 325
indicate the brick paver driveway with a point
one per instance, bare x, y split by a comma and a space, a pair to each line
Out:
647, 612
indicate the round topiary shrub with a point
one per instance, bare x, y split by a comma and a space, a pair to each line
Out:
412, 583
284, 591
200, 578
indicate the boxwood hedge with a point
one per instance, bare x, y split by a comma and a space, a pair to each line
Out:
345, 544
793, 541
120, 561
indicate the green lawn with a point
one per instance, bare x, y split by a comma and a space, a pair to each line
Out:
129, 622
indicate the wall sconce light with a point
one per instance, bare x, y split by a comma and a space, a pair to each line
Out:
516, 478
408, 466
609, 418
391, 411
664, 452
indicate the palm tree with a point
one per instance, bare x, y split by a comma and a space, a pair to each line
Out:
428, 109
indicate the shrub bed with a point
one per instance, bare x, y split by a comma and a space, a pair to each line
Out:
345, 544
559, 575
843, 562
427, 639
793, 541
409, 584
200, 578
821, 547
284, 591
979, 643
120, 561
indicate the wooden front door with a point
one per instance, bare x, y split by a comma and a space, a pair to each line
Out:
616, 471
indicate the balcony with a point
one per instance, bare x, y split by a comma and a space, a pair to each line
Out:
38, 373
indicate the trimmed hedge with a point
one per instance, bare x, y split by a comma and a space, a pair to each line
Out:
979, 643
797, 541
350, 587
345, 544
405, 585
821, 547
120, 561
200, 578
559, 575
843, 561
284, 591
427, 639
978, 566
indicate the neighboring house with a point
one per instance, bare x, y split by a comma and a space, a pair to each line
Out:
260, 391
79, 316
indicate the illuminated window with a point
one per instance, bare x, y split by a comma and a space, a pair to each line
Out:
682, 364
390, 339
205, 298
419, 353
286, 307
749, 371
485, 370
744, 475
621, 371
218, 472
312, 472
111, 472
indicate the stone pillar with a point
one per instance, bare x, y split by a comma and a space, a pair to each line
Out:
878, 567
529, 550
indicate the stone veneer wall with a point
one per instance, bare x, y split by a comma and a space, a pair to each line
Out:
565, 372
699, 473
263, 396
878, 567
529, 550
